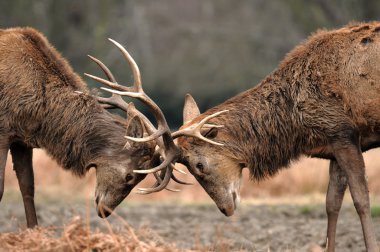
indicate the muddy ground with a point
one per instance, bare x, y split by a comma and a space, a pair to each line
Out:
191, 226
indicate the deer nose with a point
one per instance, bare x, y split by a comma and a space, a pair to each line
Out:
223, 210
103, 212
227, 211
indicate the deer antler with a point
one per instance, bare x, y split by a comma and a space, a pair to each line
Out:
167, 148
171, 151
115, 101
194, 130
162, 180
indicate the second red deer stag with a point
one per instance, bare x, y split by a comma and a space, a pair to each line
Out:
322, 101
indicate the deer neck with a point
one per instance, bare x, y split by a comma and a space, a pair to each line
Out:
85, 134
262, 127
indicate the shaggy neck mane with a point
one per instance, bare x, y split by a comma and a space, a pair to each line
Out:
72, 127
265, 126
82, 138
263, 132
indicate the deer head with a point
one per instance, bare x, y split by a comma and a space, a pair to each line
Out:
217, 171
115, 178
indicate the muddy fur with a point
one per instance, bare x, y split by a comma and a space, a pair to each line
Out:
38, 105
325, 88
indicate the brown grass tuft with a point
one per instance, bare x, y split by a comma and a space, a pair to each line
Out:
76, 236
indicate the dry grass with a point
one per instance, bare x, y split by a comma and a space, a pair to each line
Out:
307, 176
76, 236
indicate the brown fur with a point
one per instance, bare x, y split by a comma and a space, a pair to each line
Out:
323, 101
39, 108
318, 92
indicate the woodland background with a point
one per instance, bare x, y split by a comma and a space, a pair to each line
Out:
211, 49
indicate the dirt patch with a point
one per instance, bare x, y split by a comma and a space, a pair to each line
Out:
189, 226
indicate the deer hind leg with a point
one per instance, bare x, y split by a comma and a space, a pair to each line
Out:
350, 159
335, 192
22, 164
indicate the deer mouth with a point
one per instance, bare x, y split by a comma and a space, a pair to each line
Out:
102, 210
229, 210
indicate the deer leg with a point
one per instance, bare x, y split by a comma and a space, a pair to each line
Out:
350, 159
335, 192
22, 164
3, 160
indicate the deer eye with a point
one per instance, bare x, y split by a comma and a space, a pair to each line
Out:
129, 177
145, 152
200, 166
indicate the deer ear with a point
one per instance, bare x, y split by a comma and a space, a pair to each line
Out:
190, 109
210, 133
131, 110
135, 127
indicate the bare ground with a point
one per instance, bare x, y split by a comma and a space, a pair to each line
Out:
190, 226
254, 227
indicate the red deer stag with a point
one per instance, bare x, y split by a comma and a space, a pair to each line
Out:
322, 101
44, 104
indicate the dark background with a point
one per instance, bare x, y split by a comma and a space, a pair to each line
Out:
211, 49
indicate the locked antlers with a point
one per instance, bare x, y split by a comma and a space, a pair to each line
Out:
168, 151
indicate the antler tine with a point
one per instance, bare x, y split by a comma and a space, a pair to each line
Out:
115, 101
161, 186
105, 69
195, 130
145, 99
111, 79
106, 82
152, 137
167, 161
132, 111
132, 64
179, 170
178, 180
156, 184
159, 181
207, 125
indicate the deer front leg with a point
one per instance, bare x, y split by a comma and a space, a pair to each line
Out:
350, 159
335, 192
4, 148
22, 164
